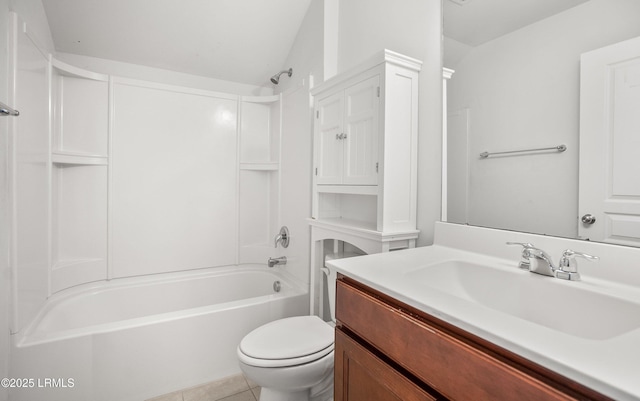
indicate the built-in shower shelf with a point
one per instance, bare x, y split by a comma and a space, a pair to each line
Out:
76, 72
76, 158
266, 166
62, 264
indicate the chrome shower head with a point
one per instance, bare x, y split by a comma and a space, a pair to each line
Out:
276, 78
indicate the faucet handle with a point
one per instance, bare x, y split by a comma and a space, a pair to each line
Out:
526, 247
568, 266
282, 237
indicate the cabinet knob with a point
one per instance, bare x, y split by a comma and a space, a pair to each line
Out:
341, 136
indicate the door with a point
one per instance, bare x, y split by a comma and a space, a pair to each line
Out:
609, 205
329, 143
361, 133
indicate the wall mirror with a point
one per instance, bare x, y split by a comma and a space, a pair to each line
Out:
516, 87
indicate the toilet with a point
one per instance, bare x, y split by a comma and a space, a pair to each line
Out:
292, 358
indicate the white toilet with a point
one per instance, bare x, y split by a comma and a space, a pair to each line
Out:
292, 358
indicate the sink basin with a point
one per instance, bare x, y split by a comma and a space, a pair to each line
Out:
568, 307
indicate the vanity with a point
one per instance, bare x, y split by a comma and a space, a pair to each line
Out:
460, 321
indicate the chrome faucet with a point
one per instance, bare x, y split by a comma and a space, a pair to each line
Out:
538, 261
541, 262
535, 260
282, 260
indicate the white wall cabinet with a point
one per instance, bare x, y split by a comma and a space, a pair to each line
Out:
365, 161
347, 135
365, 139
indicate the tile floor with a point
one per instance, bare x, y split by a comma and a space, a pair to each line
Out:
233, 388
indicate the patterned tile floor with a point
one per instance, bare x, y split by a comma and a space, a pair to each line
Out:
234, 388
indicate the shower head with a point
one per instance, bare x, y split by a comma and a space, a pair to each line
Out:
276, 78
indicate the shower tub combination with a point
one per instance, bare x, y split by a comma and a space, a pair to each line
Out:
135, 338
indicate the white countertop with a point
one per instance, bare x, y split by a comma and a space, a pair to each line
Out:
610, 366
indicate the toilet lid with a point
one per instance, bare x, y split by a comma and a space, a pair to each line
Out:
288, 338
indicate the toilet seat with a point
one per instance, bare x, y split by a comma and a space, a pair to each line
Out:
287, 342
282, 363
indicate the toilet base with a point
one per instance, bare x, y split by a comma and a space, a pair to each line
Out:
267, 394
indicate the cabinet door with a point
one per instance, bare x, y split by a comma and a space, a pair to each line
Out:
328, 139
361, 133
360, 375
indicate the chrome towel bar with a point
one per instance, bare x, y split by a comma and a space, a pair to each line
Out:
559, 148
8, 111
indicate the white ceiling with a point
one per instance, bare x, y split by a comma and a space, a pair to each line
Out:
243, 41
479, 21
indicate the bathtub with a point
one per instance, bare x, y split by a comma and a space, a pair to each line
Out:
135, 338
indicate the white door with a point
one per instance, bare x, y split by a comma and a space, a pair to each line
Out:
610, 144
329, 140
361, 133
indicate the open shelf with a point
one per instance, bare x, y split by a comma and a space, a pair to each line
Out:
77, 263
266, 166
69, 70
349, 224
348, 189
80, 114
79, 243
77, 158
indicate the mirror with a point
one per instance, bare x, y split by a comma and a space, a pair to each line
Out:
516, 86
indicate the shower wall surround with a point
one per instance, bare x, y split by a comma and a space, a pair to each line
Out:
114, 177
173, 199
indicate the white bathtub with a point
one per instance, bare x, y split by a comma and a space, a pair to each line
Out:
131, 339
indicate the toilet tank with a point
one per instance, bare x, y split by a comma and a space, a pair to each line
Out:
332, 275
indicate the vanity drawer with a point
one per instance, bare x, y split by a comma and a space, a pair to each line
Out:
444, 362
360, 375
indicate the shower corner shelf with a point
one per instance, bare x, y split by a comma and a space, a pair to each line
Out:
67, 263
77, 158
77, 72
265, 166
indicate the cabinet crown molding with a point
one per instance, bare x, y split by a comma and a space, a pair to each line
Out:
384, 56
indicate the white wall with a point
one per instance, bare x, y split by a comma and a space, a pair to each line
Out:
4, 234
413, 28
32, 12
522, 90
173, 179
306, 59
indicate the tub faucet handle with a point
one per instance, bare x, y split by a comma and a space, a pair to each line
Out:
282, 237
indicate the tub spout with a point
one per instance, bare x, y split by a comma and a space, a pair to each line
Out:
282, 260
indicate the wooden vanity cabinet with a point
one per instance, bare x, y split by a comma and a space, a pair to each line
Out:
387, 350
